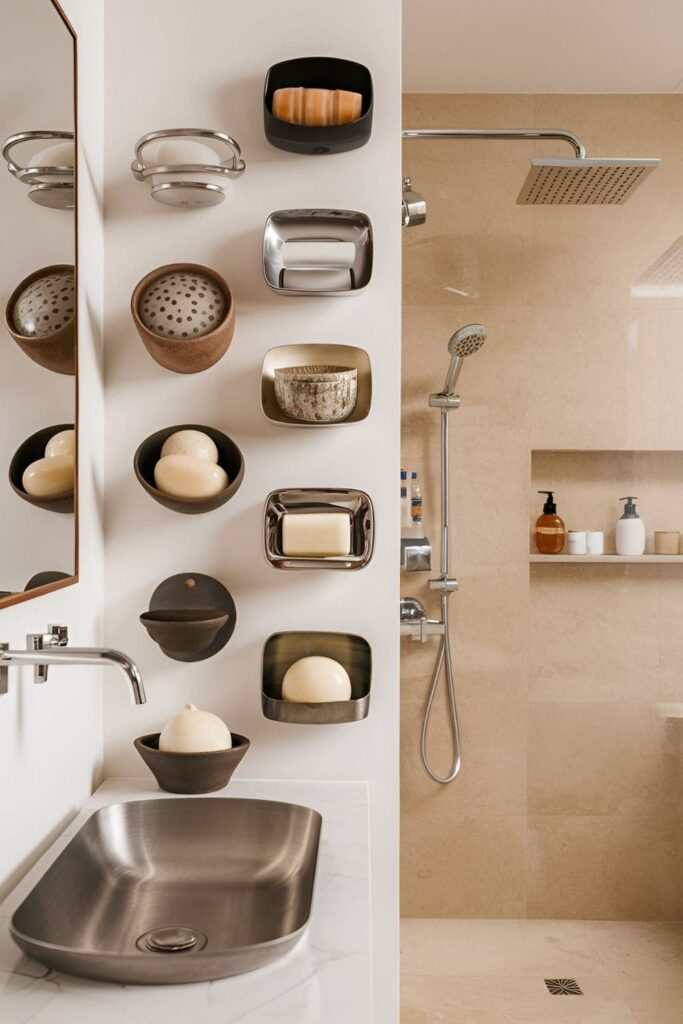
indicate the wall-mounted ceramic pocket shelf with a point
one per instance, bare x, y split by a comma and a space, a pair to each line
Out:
317, 252
49, 173
229, 458
185, 316
183, 170
350, 651
316, 521
191, 616
318, 73
30, 451
46, 338
308, 355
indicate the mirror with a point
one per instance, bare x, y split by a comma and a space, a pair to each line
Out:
38, 352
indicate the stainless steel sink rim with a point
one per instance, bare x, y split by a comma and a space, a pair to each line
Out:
251, 876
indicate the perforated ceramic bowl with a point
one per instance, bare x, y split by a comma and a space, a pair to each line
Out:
185, 315
41, 317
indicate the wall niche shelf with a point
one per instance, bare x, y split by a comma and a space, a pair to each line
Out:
647, 559
313, 355
588, 484
283, 649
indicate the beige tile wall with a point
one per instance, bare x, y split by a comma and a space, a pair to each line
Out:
569, 801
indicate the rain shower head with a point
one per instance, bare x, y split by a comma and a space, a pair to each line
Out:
584, 182
464, 343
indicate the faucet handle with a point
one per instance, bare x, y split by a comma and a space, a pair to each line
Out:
59, 634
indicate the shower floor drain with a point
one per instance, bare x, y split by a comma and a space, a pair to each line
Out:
563, 987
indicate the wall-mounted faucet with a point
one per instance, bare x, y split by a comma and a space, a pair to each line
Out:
45, 649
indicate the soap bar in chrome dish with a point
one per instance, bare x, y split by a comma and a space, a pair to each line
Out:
316, 534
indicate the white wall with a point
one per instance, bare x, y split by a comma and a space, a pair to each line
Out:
164, 67
50, 736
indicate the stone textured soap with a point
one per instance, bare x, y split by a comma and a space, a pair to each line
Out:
184, 476
316, 680
194, 732
316, 534
46, 478
61, 443
46, 305
182, 304
190, 442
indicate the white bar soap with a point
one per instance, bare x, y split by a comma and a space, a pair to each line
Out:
316, 534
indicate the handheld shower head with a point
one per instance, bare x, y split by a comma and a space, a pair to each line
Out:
464, 343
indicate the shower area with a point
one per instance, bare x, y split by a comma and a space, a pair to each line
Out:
544, 882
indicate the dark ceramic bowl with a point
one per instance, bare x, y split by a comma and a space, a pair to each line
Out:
184, 632
191, 773
30, 450
186, 355
229, 457
55, 351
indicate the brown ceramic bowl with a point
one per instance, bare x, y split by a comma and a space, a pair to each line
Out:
229, 457
56, 350
30, 450
185, 354
191, 773
184, 632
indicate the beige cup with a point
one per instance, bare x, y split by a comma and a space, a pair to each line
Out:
667, 542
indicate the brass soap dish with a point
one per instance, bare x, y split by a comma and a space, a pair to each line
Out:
283, 649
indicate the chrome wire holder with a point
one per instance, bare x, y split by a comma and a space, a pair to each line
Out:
186, 191
51, 186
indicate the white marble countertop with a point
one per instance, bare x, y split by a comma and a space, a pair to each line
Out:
326, 978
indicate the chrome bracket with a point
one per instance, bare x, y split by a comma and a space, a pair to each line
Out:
449, 585
440, 401
56, 636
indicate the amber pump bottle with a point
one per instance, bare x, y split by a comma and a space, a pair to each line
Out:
549, 532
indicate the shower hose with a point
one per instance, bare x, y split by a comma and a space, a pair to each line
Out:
443, 656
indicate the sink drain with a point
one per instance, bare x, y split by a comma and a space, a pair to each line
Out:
171, 940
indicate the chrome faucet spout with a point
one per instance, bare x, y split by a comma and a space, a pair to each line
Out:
50, 649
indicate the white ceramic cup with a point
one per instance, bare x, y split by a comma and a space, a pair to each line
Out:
595, 542
576, 542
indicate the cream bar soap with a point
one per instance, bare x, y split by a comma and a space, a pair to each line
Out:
316, 534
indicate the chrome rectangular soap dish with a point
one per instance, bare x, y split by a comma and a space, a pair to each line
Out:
355, 504
283, 649
317, 252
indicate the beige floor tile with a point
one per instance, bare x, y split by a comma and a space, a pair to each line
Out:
483, 972
594, 867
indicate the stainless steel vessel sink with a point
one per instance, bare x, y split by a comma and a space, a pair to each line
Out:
172, 891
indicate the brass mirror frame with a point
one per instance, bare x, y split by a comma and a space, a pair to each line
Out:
48, 588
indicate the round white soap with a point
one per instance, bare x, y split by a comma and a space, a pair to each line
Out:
316, 680
194, 732
184, 476
190, 442
62, 443
46, 478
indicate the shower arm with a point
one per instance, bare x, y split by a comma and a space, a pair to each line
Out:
506, 134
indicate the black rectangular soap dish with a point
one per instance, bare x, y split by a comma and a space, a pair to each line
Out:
356, 504
318, 73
